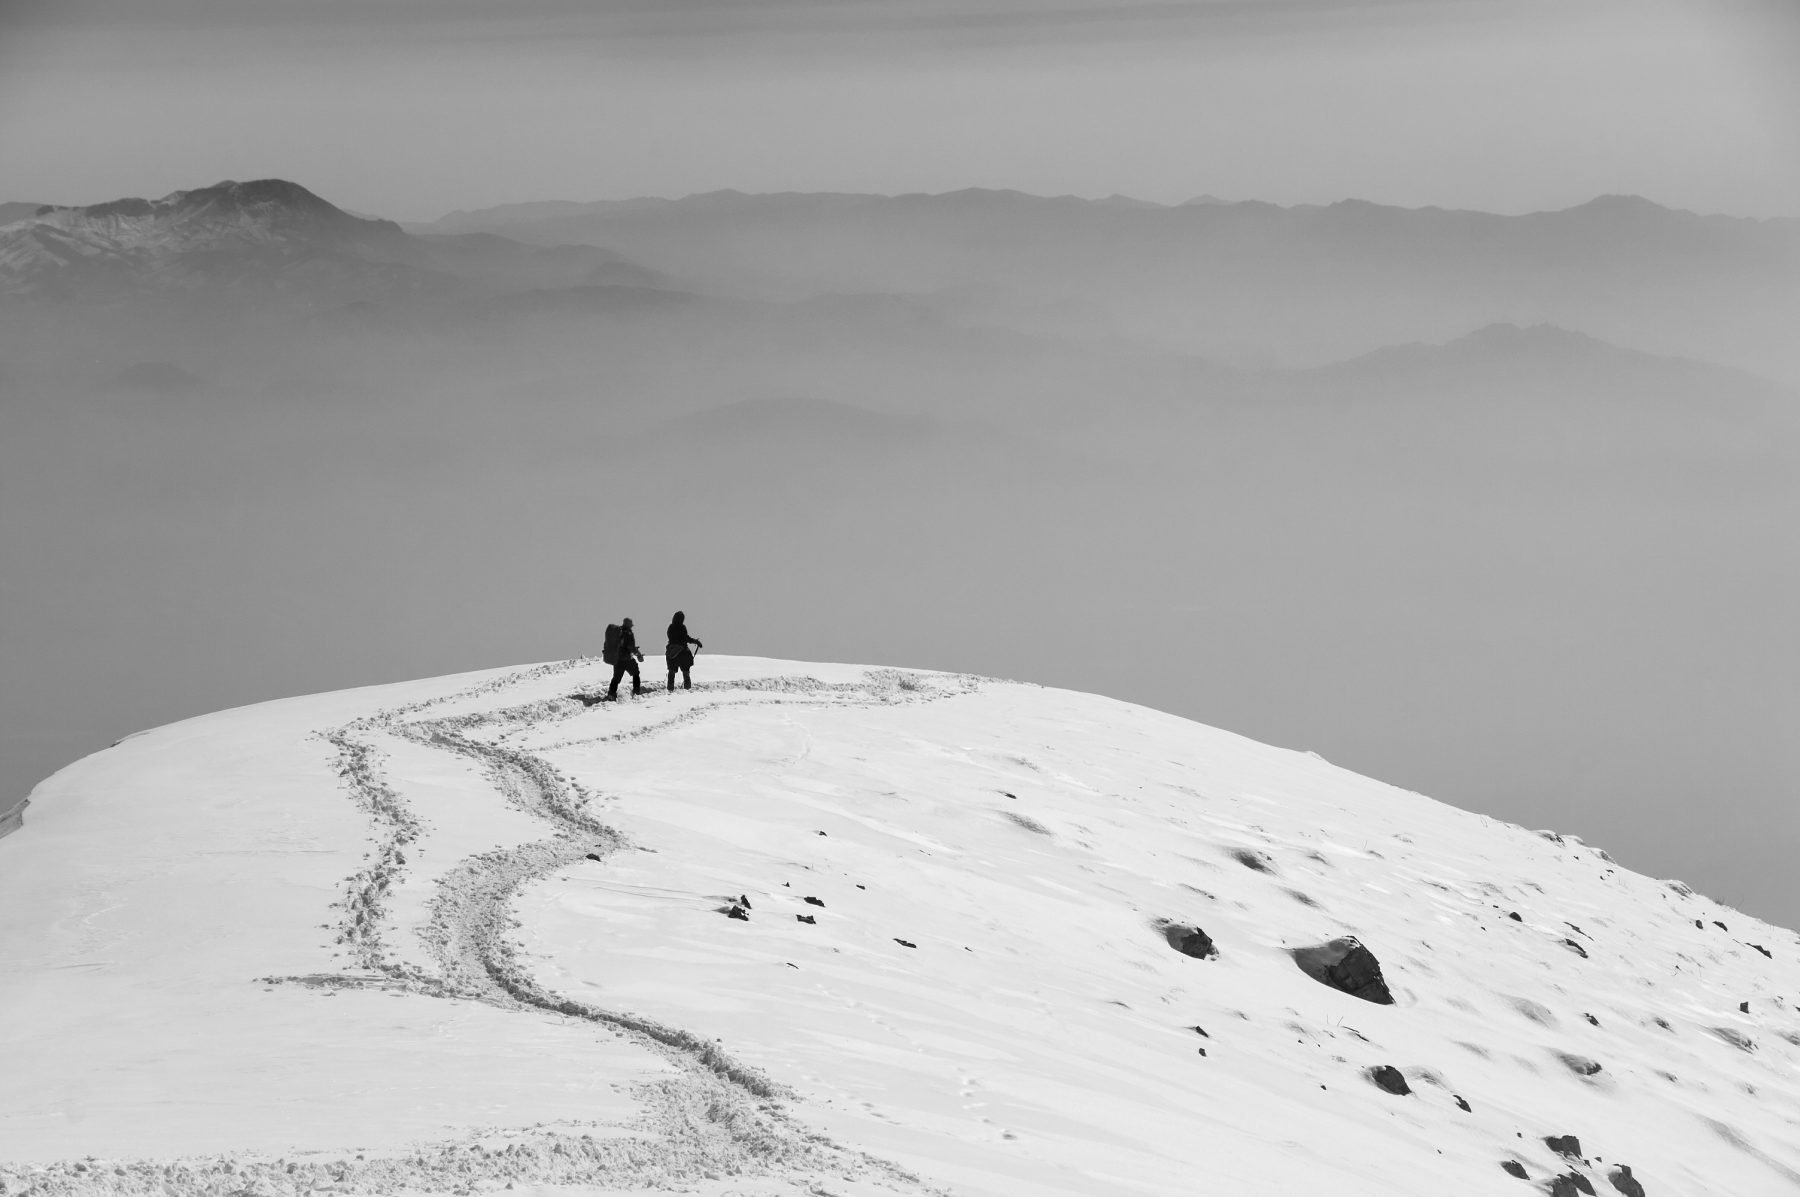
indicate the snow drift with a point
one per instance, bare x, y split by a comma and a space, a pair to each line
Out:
829, 929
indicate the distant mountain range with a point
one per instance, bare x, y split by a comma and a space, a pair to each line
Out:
266, 235
1606, 224
1248, 282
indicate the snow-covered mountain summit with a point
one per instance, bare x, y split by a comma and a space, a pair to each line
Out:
266, 233
830, 929
265, 222
248, 213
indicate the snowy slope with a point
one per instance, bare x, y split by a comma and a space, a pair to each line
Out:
471, 932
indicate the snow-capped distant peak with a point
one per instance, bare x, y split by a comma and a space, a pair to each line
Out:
265, 208
184, 238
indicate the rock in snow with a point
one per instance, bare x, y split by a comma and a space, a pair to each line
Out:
222, 974
1189, 940
1345, 965
1390, 1078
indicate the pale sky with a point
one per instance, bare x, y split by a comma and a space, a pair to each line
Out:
412, 108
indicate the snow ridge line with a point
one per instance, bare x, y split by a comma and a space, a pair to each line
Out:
882, 687
393, 715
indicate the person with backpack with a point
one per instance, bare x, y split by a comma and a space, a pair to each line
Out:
621, 652
678, 654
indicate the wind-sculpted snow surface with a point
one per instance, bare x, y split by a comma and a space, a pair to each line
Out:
822, 929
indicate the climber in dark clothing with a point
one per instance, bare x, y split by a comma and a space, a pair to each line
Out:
679, 655
626, 661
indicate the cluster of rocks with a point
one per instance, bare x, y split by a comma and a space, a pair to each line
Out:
1575, 1180
740, 909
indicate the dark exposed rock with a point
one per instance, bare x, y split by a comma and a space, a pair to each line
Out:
737, 912
1720, 926
1569, 1184
1390, 1078
1743, 1007
1514, 916
1700, 924
1203, 1051
1201, 1031
1564, 1145
1576, 948
812, 901
905, 943
1347, 966
1463, 1105
1513, 1168
1189, 940
744, 902
806, 918
593, 856
1591, 1019
1763, 950
1579, 1065
1625, 1182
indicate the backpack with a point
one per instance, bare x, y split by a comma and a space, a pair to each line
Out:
610, 651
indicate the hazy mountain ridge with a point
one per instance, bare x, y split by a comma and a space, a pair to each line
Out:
1543, 346
1248, 282
1629, 216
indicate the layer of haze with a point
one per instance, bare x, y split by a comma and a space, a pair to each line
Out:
415, 107
1544, 577
1534, 574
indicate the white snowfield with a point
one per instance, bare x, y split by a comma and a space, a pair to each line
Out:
474, 933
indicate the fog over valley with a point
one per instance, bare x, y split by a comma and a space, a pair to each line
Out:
1499, 508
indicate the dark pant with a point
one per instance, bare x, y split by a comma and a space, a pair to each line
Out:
626, 664
680, 657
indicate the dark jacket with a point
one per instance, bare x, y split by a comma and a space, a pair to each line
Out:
678, 653
628, 644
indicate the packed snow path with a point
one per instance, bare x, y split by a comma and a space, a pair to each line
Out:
834, 930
